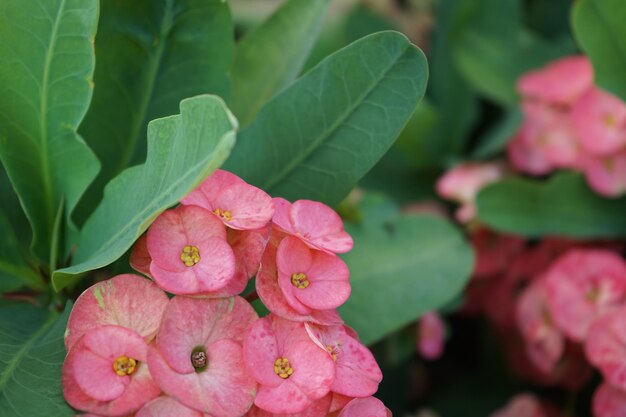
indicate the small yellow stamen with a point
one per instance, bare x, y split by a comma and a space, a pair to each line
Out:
190, 255
224, 214
282, 368
124, 365
300, 280
333, 350
610, 120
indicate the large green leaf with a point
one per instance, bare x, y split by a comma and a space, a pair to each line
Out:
270, 57
31, 356
401, 270
182, 151
563, 206
493, 49
150, 56
599, 28
46, 64
318, 137
14, 271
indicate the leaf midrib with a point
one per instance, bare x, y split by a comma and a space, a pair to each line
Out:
297, 160
43, 116
21, 353
153, 73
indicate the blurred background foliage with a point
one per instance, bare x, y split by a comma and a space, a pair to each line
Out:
476, 50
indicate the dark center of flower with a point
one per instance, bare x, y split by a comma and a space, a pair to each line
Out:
199, 359
300, 280
282, 368
124, 365
190, 255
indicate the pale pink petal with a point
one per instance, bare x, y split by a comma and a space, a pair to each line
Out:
167, 407
260, 350
600, 118
319, 408
522, 405
606, 347
126, 300
250, 208
319, 226
609, 402
561, 82
224, 389
205, 194
607, 175
365, 407
281, 217
285, 398
463, 182
431, 336
526, 158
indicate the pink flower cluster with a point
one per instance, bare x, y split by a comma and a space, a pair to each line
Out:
571, 123
133, 351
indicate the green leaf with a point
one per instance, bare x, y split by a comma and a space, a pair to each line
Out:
46, 64
31, 355
563, 205
14, 272
182, 151
150, 56
270, 57
402, 270
493, 49
496, 138
599, 29
317, 138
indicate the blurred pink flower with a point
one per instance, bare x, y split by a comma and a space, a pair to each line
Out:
522, 405
431, 332
609, 401
189, 251
606, 347
125, 300
365, 407
238, 204
198, 356
314, 223
584, 284
291, 369
607, 175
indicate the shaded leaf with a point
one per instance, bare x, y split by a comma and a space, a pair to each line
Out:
46, 64
600, 30
497, 137
151, 55
270, 57
182, 151
563, 205
317, 138
31, 356
402, 270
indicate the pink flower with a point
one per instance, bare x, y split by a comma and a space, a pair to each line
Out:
526, 158
561, 82
607, 175
600, 119
356, 372
609, 401
198, 358
314, 223
291, 369
125, 300
189, 251
464, 181
140, 257
545, 344
431, 336
522, 405
606, 347
365, 407
168, 407
106, 372
271, 294
238, 204
311, 279
319, 408
583, 285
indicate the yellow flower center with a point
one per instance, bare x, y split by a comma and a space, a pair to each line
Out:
124, 365
282, 368
300, 280
224, 214
610, 120
333, 350
190, 255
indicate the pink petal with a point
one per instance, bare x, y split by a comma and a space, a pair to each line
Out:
607, 175
286, 398
609, 402
224, 389
319, 226
431, 336
329, 287
192, 322
365, 407
167, 407
606, 347
260, 350
205, 194
319, 408
522, 405
250, 207
140, 257
126, 300
281, 217
527, 159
